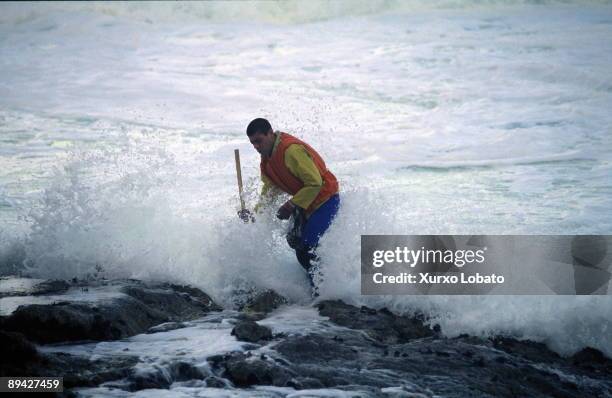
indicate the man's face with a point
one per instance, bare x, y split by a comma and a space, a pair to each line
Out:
263, 142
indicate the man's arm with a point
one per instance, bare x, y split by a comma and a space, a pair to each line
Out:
301, 165
268, 192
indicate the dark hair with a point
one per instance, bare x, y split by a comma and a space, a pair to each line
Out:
258, 125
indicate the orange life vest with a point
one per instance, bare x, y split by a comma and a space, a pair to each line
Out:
275, 169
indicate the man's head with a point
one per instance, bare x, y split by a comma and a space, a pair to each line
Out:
262, 136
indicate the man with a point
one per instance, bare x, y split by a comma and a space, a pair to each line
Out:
291, 165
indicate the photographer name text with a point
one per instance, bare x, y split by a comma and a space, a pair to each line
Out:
433, 279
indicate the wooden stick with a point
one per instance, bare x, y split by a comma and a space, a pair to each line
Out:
239, 175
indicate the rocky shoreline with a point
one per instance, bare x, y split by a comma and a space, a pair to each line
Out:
340, 349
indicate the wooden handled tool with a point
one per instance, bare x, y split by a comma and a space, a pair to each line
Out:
239, 175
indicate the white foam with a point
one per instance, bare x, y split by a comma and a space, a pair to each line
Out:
294, 320
17, 285
98, 294
195, 343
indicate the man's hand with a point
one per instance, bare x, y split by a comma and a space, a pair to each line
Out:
246, 216
285, 211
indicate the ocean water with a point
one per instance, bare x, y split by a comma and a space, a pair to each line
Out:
118, 123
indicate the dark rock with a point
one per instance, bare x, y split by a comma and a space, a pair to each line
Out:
64, 321
194, 294
217, 360
526, 349
500, 359
50, 287
444, 353
472, 367
382, 325
66, 394
178, 306
157, 379
18, 354
370, 311
79, 371
468, 354
589, 355
215, 382
16, 348
314, 348
265, 301
76, 371
143, 307
251, 332
592, 359
182, 371
246, 372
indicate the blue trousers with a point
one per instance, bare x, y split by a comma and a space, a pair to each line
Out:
305, 234
319, 221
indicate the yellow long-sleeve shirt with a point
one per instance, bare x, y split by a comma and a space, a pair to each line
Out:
301, 165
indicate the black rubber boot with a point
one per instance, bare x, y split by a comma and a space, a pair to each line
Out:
305, 255
307, 259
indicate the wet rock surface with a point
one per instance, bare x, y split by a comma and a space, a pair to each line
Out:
346, 349
406, 357
246, 371
381, 325
66, 321
21, 357
136, 308
263, 302
250, 331
17, 352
